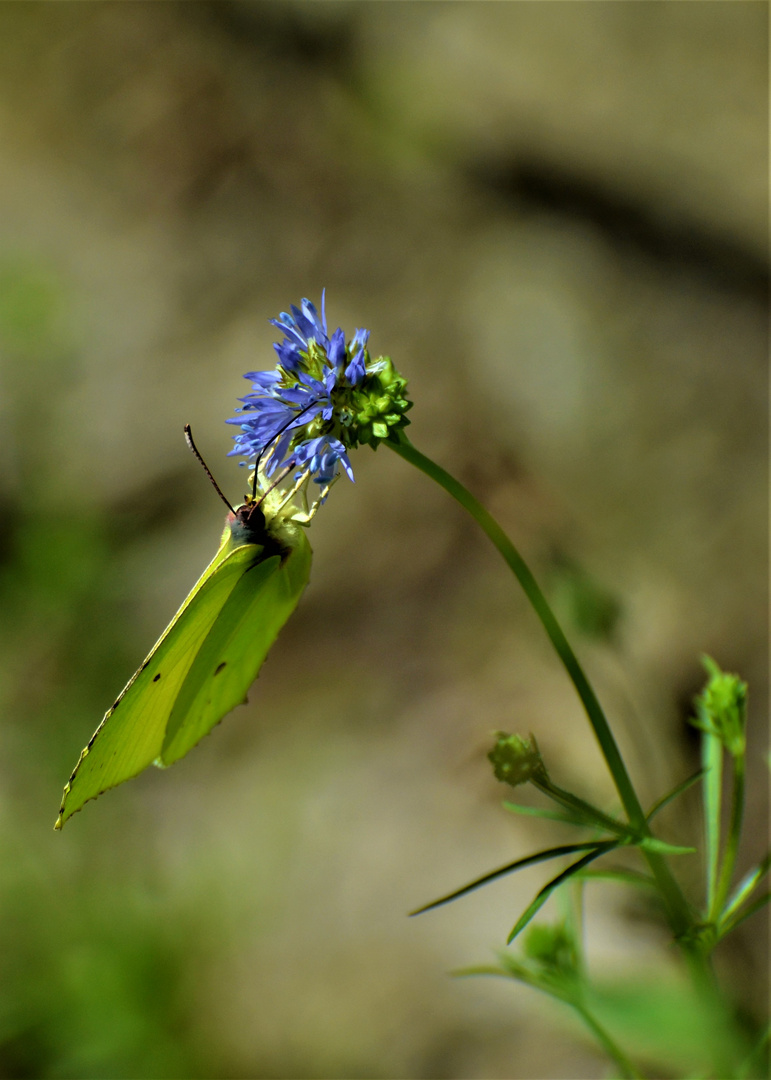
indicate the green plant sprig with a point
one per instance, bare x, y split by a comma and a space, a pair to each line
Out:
678, 909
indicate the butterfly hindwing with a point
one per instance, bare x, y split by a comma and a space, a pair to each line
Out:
229, 659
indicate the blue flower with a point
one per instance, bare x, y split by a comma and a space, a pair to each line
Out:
324, 398
299, 327
321, 456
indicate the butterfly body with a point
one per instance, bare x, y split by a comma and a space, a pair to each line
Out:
207, 658
248, 525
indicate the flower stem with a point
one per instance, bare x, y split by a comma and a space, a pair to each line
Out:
556, 635
732, 840
591, 815
712, 763
628, 1071
679, 913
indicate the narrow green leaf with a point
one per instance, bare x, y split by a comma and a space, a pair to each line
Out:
549, 888
628, 877
512, 969
747, 886
588, 814
739, 917
666, 799
652, 843
529, 860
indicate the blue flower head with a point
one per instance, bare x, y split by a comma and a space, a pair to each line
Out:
325, 397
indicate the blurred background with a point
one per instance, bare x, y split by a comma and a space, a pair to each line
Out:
553, 218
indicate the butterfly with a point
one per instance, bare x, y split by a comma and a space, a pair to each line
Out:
210, 653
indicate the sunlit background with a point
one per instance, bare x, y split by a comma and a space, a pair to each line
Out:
553, 218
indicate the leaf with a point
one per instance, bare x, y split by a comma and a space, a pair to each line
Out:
661, 847
739, 917
665, 800
548, 889
529, 860
512, 969
207, 658
628, 877
589, 815
747, 886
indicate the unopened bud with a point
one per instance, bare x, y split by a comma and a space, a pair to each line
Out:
722, 708
516, 760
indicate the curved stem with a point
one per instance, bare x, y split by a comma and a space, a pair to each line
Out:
591, 814
609, 1046
679, 913
538, 601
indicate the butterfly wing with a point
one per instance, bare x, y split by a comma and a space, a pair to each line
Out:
177, 679
229, 659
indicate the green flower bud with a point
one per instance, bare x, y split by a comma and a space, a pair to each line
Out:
516, 760
552, 947
722, 708
377, 405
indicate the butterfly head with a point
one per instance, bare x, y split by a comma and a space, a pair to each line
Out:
269, 521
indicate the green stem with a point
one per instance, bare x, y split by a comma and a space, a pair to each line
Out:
609, 1046
732, 840
590, 813
679, 914
538, 601
712, 762
753, 1065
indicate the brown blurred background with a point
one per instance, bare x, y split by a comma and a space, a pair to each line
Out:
553, 218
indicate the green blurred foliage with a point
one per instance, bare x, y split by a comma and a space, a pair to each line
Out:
581, 602
91, 967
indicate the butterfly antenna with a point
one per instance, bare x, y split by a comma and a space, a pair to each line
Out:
215, 485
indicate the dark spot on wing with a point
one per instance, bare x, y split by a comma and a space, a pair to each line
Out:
115, 706
144, 665
220, 667
156, 677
